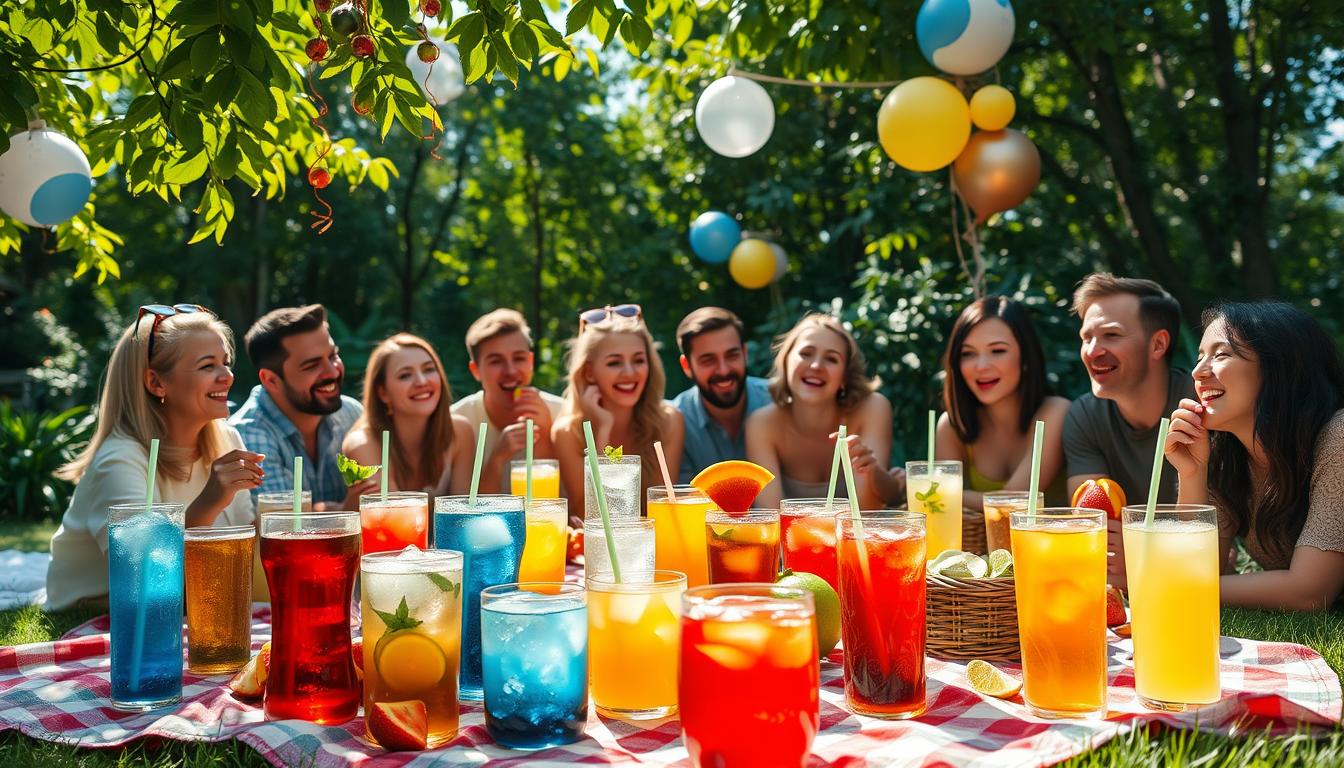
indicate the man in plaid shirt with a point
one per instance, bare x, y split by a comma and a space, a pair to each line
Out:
298, 408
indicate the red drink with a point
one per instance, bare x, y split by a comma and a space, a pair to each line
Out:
749, 684
807, 532
311, 575
394, 523
882, 612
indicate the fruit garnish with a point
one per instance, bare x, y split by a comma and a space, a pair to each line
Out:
1102, 493
826, 603
733, 485
959, 565
932, 500
399, 725
1121, 630
250, 681
357, 651
1115, 607
445, 585
574, 550
1000, 564
614, 453
989, 680
352, 471
409, 661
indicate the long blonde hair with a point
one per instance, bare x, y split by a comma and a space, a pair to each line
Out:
377, 415
126, 408
646, 423
856, 385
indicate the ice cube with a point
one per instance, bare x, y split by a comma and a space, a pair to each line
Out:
410, 553
486, 533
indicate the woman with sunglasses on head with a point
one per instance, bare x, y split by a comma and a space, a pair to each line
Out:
407, 394
818, 382
168, 378
615, 381
1264, 443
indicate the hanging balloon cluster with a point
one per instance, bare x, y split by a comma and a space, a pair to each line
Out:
44, 177
752, 262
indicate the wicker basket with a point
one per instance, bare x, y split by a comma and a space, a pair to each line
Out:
972, 618
973, 532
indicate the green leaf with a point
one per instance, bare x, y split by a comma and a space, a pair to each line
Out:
187, 171
221, 87
470, 32
445, 584
352, 471
397, 12
523, 41
400, 620
578, 16
142, 110
682, 26
177, 64
615, 453
205, 53
643, 36
532, 10
507, 63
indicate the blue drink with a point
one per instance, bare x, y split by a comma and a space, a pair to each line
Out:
145, 555
534, 648
490, 537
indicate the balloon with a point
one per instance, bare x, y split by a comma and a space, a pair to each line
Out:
752, 264
781, 262
992, 108
445, 75
734, 116
714, 235
44, 178
923, 123
998, 170
964, 37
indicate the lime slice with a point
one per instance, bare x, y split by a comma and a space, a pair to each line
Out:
962, 565
1000, 563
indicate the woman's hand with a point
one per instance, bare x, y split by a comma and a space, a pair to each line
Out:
594, 410
237, 470
1187, 446
861, 457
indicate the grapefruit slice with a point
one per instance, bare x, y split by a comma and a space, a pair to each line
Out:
733, 485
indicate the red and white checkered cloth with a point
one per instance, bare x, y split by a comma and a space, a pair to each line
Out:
58, 691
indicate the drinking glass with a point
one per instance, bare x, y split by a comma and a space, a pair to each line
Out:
218, 567
145, 554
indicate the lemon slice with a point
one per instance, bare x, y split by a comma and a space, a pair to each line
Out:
991, 681
409, 662
1000, 563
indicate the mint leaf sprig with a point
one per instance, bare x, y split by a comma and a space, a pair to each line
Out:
933, 501
352, 471
614, 453
399, 620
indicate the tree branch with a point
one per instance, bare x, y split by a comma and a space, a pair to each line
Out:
450, 206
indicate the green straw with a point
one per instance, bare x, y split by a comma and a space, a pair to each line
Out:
933, 426
382, 473
153, 469
1162, 430
1034, 488
601, 494
853, 496
835, 469
138, 639
298, 492
527, 486
862, 550
476, 470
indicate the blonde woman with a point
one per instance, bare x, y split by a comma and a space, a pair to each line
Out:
818, 382
169, 378
407, 394
615, 381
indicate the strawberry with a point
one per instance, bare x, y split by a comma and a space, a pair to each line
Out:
1115, 607
399, 725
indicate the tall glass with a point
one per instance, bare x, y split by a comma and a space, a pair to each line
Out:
936, 494
679, 531
743, 547
310, 561
1059, 563
633, 635
749, 683
635, 550
490, 536
807, 533
218, 569
882, 613
144, 554
412, 607
999, 506
547, 541
534, 649
395, 523
1172, 567
545, 478
267, 503
621, 481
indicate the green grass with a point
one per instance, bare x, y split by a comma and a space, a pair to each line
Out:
26, 536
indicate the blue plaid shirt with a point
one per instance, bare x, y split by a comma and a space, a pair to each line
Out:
265, 429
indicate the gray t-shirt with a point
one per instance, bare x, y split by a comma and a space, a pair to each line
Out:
1098, 441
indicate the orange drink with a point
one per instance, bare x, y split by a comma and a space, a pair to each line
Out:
633, 643
1059, 558
743, 547
545, 479
679, 531
546, 542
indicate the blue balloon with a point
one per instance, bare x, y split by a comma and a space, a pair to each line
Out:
714, 235
964, 37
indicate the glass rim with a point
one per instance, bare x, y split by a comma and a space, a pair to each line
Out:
554, 501
1013, 495
880, 515
523, 462
937, 463
750, 516
220, 532
660, 490
1169, 508
630, 458
140, 505
432, 561
377, 498
696, 599
805, 506
486, 503
287, 495
1184, 513
1058, 514
618, 522
605, 581
330, 514
562, 589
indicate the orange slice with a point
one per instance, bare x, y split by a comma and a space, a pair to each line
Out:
733, 485
991, 681
409, 662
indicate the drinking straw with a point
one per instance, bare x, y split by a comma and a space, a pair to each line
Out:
1035, 484
382, 473
527, 484
667, 476
476, 470
933, 426
601, 494
298, 485
1162, 430
862, 550
138, 638
835, 469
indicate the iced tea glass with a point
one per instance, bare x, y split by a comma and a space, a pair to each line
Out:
999, 506
743, 547
218, 570
807, 535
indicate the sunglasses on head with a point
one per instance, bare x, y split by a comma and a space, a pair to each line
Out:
599, 315
162, 312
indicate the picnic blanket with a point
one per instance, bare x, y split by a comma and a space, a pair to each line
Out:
23, 578
58, 691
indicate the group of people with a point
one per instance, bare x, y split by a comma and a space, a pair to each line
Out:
1258, 425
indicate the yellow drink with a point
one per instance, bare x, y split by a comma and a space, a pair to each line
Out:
679, 531
1060, 565
634, 638
547, 541
1173, 598
545, 478
937, 496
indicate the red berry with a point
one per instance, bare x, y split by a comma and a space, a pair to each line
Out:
322, 6
319, 178
316, 49
428, 52
431, 7
361, 46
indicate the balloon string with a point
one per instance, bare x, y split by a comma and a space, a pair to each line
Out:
323, 219
735, 72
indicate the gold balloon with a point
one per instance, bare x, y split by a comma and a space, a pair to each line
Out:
752, 263
992, 108
996, 171
923, 123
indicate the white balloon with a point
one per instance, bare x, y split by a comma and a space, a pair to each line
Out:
987, 37
44, 178
735, 116
445, 75
781, 262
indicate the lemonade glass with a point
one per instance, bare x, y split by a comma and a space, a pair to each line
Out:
934, 490
679, 530
547, 540
545, 478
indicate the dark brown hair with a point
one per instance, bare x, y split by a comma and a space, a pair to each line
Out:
704, 320
264, 341
496, 323
963, 409
1158, 310
377, 416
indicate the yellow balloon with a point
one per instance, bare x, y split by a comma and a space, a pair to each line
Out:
992, 108
924, 123
752, 264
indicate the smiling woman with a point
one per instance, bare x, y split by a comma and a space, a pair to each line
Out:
168, 378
